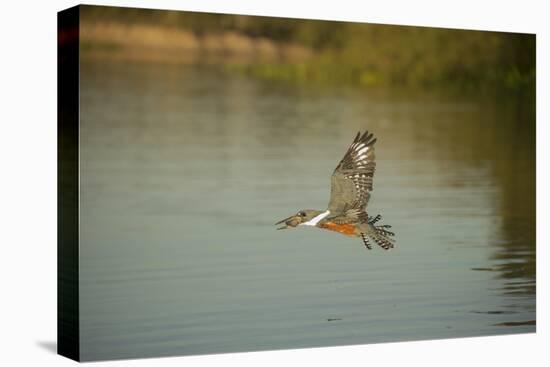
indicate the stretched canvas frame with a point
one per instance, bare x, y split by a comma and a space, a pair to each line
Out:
71, 181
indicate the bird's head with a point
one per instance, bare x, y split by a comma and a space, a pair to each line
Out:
303, 216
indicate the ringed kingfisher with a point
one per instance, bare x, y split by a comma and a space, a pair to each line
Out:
351, 184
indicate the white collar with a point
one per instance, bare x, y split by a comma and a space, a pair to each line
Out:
313, 221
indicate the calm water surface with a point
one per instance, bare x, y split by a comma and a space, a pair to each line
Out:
185, 171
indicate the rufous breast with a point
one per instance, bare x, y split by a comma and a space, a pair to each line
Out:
347, 229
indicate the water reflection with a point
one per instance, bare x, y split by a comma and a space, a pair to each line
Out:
184, 170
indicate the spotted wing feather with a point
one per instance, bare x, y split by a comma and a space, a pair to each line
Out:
352, 215
351, 181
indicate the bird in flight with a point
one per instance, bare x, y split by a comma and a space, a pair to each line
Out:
351, 184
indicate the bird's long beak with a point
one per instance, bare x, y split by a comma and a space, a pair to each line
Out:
283, 221
289, 222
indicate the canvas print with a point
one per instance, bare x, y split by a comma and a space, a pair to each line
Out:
233, 183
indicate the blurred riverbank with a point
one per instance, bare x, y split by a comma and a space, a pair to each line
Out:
168, 44
315, 52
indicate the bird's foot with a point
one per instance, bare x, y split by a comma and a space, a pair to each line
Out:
375, 219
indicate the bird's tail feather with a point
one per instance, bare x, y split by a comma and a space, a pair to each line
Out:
381, 234
383, 241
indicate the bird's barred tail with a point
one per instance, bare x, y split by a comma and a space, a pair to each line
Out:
366, 241
379, 234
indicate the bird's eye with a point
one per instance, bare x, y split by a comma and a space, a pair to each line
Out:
302, 214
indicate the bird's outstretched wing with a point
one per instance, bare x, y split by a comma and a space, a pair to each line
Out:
352, 178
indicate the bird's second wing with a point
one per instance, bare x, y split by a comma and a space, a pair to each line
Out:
351, 181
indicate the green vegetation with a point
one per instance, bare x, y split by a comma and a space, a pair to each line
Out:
365, 54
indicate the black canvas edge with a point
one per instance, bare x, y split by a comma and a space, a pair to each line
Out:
68, 44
